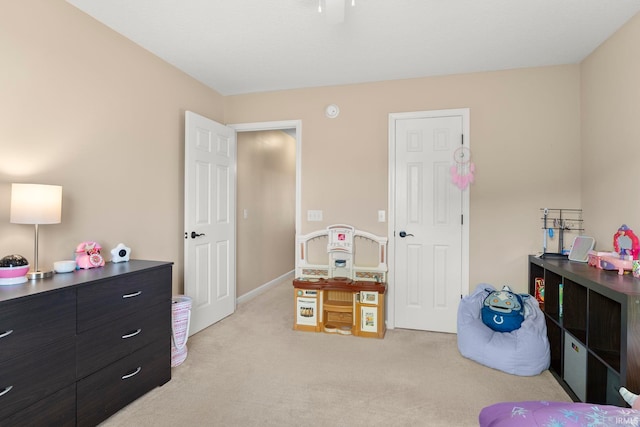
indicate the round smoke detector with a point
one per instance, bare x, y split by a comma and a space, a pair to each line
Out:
332, 111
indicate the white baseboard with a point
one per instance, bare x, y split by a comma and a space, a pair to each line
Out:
263, 288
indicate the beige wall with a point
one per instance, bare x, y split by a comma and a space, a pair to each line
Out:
87, 109
611, 135
266, 178
525, 124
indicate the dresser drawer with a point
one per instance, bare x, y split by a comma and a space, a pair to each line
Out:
104, 302
109, 390
32, 322
57, 410
105, 344
30, 377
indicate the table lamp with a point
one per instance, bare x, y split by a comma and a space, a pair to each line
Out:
36, 204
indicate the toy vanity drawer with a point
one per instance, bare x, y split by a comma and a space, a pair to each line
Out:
339, 317
112, 388
105, 344
32, 322
102, 303
31, 377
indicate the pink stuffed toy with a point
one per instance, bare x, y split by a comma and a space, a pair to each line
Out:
630, 398
88, 255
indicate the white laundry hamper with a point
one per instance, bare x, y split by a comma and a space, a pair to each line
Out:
180, 320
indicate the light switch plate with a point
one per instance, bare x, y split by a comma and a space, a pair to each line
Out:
382, 216
314, 215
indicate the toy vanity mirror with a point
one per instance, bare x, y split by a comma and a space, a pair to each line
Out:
625, 242
581, 247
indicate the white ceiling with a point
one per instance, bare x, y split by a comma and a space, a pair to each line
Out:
246, 46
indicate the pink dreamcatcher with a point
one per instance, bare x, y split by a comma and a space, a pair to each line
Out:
463, 168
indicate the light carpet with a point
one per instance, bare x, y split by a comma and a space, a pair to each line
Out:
253, 369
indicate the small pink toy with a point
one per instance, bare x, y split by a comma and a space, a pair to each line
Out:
88, 255
616, 263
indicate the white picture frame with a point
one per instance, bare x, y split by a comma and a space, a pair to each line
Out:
369, 319
369, 297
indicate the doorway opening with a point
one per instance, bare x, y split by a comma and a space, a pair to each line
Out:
268, 204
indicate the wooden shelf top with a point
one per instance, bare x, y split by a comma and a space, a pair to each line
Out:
338, 306
341, 284
606, 282
77, 278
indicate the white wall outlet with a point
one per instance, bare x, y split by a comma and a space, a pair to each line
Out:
314, 215
382, 216
245, 213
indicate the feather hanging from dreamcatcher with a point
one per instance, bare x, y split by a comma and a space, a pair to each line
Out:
463, 168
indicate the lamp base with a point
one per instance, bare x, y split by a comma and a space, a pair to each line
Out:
35, 275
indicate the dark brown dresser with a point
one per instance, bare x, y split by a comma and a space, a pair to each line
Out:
78, 347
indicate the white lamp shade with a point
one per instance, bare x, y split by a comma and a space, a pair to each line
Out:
36, 204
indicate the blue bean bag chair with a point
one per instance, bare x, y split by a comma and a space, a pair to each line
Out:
524, 351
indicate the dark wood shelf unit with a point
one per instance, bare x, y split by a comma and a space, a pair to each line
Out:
574, 317
601, 311
554, 332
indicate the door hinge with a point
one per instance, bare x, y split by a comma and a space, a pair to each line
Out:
461, 219
462, 139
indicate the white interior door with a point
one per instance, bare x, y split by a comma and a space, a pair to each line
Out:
430, 217
210, 195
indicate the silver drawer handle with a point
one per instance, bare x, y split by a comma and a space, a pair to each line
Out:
6, 333
136, 372
132, 334
6, 390
135, 294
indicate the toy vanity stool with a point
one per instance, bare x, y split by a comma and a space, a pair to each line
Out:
340, 297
